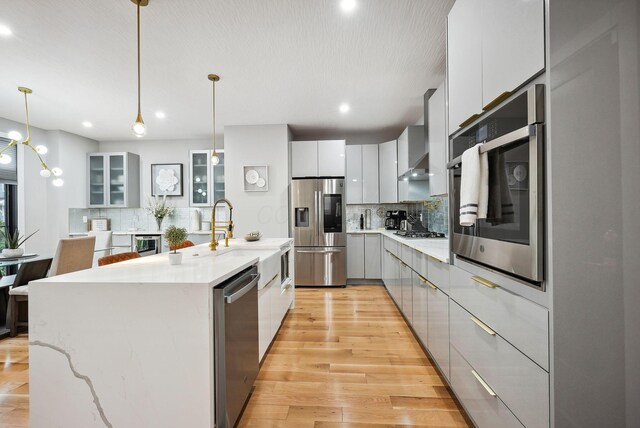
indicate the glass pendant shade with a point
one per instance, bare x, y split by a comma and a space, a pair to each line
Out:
5, 159
139, 129
215, 160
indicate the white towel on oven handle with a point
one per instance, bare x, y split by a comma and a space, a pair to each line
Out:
474, 186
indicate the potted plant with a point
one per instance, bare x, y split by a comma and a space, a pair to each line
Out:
159, 208
175, 236
13, 241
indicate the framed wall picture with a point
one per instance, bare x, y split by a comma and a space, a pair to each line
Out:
166, 179
256, 178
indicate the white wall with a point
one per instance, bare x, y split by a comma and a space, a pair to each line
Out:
160, 151
268, 211
40, 204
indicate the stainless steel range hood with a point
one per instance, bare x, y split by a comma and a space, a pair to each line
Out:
419, 165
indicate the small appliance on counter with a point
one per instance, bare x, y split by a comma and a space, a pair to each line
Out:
394, 218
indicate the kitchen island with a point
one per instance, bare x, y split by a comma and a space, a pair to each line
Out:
131, 344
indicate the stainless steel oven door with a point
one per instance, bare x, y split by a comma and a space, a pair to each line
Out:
511, 238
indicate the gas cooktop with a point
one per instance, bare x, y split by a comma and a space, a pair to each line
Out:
419, 234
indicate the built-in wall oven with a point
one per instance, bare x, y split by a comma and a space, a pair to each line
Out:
511, 238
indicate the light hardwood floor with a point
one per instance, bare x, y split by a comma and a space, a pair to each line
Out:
343, 358
346, 358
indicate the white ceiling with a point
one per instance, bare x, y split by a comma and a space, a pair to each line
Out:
280, 61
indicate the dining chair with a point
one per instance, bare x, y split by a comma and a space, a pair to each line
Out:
19, 292
183, 244
73, 254
115, 258
103, 242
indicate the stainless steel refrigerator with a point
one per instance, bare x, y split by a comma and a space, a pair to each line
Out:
319, 231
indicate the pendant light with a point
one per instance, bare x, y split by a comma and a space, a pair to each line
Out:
139, 128
39, 150
215, 160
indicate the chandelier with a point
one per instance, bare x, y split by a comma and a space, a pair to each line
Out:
39, 150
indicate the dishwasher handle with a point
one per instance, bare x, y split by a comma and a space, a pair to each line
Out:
244, 290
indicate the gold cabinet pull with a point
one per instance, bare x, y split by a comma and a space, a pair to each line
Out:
497, 100
483, 281
469, 120
483, 326
426, 281
483, 383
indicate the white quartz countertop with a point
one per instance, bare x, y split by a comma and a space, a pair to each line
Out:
200, 266
141, 232
438, 248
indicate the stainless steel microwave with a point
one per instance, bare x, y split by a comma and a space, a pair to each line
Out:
511, 238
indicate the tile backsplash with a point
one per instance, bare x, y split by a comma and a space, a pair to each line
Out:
125, 219
434, 214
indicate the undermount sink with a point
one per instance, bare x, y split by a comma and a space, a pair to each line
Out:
268, 263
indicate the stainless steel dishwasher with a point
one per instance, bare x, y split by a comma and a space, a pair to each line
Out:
235, 327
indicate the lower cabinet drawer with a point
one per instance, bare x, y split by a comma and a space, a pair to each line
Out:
519, 382
521, 322
421, 263
438, 328
439, 274
486, 410
264, 319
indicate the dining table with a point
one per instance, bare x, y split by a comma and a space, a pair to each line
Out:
6, 281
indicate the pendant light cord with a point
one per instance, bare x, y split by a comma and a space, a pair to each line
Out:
214, 116
139, 111
26, 107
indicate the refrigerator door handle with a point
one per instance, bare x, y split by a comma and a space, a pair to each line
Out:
319, 219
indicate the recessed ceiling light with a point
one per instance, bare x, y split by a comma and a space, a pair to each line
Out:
160, 115
348, 5
5, 31
87, 124
344, 108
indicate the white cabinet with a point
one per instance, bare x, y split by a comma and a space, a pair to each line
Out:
464, 61
355, 255
354, 174
403, 152
264, 317
438, 327
364, 256
318, 158
420, 314
331, 158
512, 46
113, 180
372, 256
304, 159
406, 283
206, 181
487, 61
437, 143
388, 159
370, 174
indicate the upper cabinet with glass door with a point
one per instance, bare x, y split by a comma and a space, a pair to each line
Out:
114, 180
206, 184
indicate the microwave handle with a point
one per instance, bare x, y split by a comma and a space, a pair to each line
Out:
505, 140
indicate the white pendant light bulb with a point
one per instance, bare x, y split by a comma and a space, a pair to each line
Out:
215, 160
42, 150
45, 173
15, 136
56, 172
5, 159
58, 182
139, 129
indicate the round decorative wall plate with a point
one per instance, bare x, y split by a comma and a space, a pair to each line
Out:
261, 182
252, 176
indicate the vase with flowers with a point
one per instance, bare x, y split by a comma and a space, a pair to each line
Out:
159, 209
